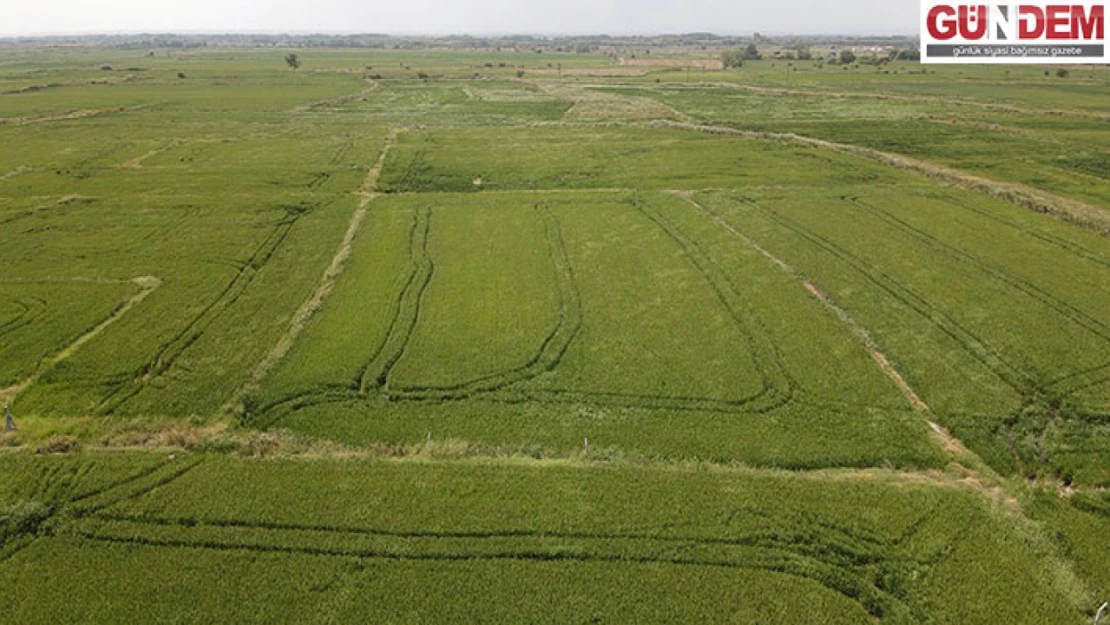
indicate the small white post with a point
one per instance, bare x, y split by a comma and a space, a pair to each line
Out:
585, 446
1098, 617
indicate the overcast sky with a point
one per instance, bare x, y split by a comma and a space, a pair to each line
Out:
478, 17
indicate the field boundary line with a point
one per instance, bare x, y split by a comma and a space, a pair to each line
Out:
77, 114
367, 191
147, 285
137, 162
22, 169
1065, 209
371, 87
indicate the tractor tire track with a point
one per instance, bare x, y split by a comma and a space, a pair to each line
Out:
1095, 326
953, 446
32, 308
167, 354
839, 561
1017, 379
553, 346
141, 484
762, 349
1065, 209
376, 374
1063, 244
327, 283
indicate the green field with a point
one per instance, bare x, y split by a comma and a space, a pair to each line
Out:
454, 336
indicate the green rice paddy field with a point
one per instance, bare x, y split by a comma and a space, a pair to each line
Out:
456, 336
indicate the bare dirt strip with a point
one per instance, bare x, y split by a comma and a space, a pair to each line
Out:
147, 285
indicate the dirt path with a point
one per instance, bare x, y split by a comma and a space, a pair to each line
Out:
79, 114
371, 87
367, 191
1071, 211
137, 162
147, 285
22, 169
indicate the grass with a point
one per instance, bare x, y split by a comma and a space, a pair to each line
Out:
779, 543
572, 341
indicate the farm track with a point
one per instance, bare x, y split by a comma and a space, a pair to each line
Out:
137, 162
79, 114
375, 375
142, 483
22, 169
147, 286
1064, 245
765, 355
63, 201
32, 307
1076, 316
1093, 325
371, 87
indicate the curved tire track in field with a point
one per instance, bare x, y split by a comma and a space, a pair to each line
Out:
499, 388
836, 557
553, 346
168, 352
1014, 377
762, 349
1067, 311
407, 313
951, 444
32, 308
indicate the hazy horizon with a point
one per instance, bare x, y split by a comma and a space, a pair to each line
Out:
479, 18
